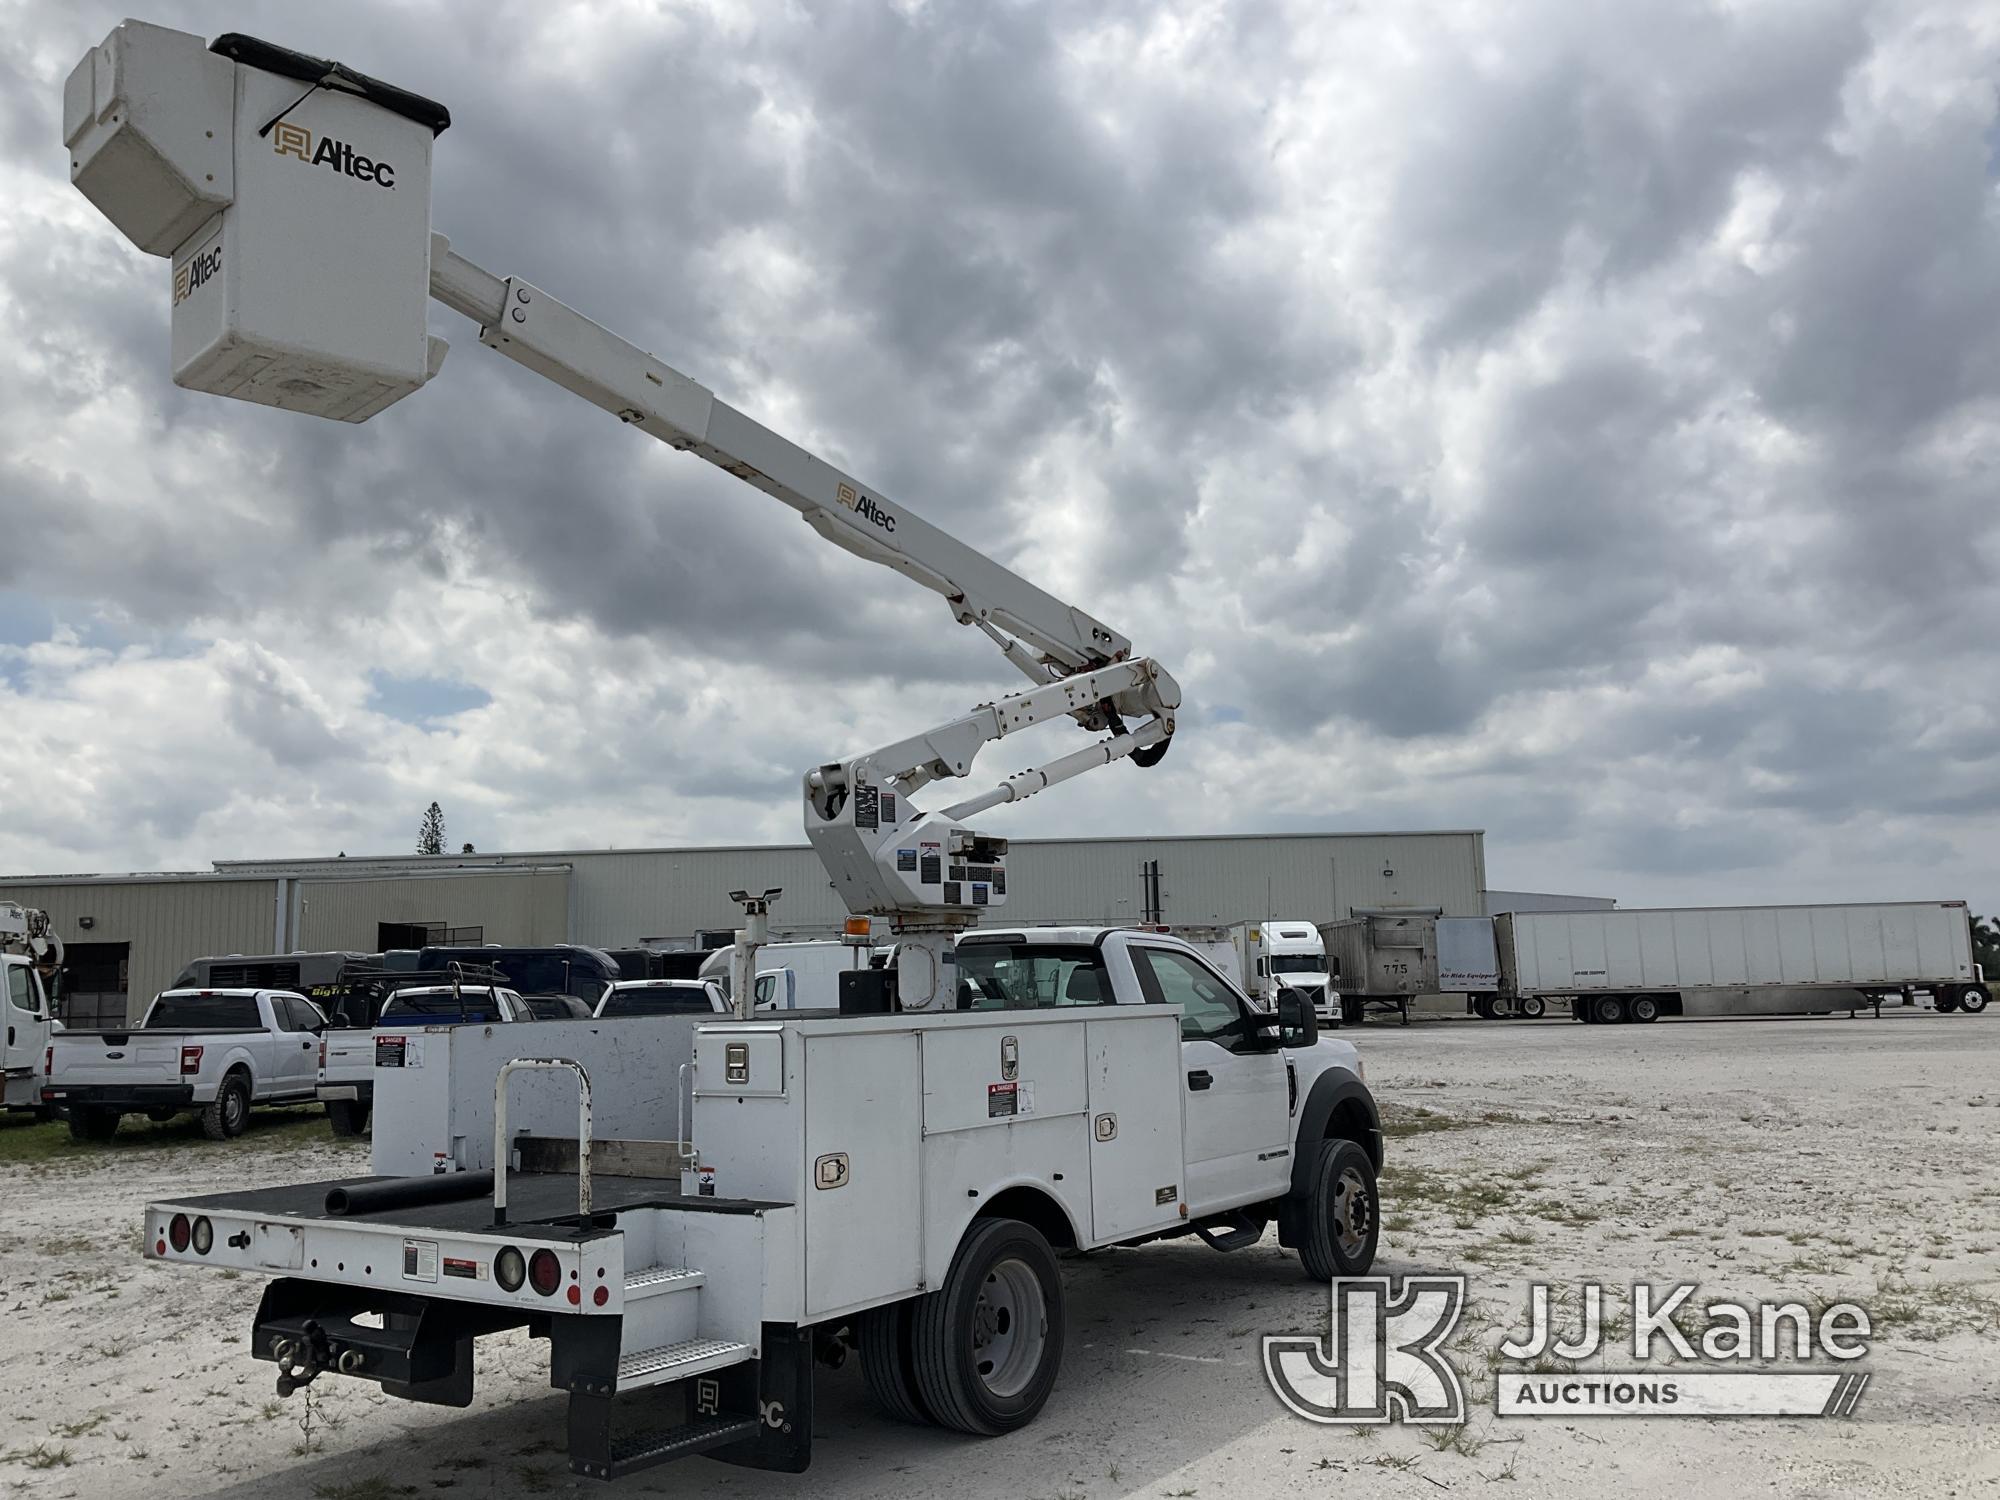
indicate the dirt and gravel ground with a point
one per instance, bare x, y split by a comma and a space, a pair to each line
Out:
1822, 1160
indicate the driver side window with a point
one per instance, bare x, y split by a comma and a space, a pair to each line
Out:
1209, 1011
19, 995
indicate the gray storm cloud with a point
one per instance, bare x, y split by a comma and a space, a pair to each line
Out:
1575, 421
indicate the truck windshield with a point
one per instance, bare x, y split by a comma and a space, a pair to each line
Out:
1029, 976
659, 1000
1298, 963
191, 1012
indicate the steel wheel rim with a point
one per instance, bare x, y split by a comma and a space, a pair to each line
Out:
1352, 1212
232, 1107
1010, 1328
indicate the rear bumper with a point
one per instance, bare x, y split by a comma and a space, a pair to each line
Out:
353, 1091
123, 1097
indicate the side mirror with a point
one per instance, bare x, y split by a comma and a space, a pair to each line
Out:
1298, 1023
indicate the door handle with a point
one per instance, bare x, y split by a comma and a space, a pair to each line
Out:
1200, 1078
305, 1046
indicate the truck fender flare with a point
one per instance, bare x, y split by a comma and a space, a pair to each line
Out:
1028, 1199
1336, 1095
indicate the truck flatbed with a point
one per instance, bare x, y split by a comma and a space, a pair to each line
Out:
533, 1199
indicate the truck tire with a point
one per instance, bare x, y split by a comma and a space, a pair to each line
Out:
1534, 1007
1945, 1001
1973, 999
95, 1126
1607, 1010
1482, 1007
348, 1117
1643, 1008
229, 1111
988, 1344
1343, 1216
888, 1363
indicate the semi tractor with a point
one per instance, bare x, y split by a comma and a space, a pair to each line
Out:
895, 1175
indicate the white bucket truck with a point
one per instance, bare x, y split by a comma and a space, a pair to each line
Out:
897, 1175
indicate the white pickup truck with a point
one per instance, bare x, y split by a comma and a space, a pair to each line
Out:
898, 1183
350, 1047
216, 1052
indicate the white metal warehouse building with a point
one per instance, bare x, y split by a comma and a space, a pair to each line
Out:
133, 933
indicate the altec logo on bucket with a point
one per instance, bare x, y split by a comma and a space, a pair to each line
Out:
297, 141
191, 273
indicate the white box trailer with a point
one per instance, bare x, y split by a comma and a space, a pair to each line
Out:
1385, 958
1740, 960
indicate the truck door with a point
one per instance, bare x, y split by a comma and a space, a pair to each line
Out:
26, 1016
296, 1063
1233, 1081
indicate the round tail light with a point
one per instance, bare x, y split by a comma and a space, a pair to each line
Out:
510, 1269
204, 1236
545, 1272
179, 1232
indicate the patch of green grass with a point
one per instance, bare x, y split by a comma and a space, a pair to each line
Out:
1454, 1439
41, 1456
34, 1144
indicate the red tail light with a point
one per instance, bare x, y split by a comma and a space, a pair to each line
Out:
49, 1062
544, 1272
179, 1232
190, 1059
322, 1052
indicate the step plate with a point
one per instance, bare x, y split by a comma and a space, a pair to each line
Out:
644, 1450
678, 1361
663, 1279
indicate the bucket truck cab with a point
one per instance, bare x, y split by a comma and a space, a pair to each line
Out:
27, 951
899, 1184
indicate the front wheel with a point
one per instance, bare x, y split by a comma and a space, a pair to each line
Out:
1343, 1217
1973, 999
988, 1344
229, 1112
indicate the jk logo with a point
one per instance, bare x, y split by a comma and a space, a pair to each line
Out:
1380, 1360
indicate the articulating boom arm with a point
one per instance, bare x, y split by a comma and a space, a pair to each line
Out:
298, 226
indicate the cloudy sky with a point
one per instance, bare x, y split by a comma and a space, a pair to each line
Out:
1578, 421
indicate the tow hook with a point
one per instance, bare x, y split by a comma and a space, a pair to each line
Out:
301, 1360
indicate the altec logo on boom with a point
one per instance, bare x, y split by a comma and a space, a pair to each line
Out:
191, 273
865, 508
297, 141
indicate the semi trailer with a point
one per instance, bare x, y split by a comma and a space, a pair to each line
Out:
1640, 965
1384, 959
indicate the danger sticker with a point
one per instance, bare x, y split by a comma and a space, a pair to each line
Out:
1002, 1099
389, 1051
469, 1270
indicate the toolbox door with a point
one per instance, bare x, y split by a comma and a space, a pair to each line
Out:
1136, 1157
863, 1197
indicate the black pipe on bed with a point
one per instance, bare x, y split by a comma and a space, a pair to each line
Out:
408, 1192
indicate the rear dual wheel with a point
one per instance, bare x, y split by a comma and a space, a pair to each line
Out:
986, 1347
